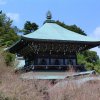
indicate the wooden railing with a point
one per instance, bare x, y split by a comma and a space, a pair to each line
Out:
56, 67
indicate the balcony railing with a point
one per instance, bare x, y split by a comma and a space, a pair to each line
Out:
56, 67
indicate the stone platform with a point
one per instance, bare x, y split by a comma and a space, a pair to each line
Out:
50, 75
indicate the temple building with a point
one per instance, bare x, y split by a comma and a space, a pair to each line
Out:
52, 46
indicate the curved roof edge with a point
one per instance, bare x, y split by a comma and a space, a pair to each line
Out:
54, 32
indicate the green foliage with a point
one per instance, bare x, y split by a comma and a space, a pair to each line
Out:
97, 68
91, 56
9, 58
8, 34
89, 66
90, 59
73, 28
81, 59
29, 27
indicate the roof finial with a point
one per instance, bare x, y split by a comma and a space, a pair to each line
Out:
48, 15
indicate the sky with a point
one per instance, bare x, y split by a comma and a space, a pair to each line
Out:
83, 13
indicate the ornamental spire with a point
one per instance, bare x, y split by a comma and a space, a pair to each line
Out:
49, 15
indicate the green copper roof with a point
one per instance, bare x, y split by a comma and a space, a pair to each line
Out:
52, 31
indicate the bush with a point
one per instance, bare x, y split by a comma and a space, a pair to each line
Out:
89, 66
97, 68
9, 58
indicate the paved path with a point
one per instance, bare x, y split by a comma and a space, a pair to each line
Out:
50, 75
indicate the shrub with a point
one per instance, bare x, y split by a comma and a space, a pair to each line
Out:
89, 66
9, 58
97, 68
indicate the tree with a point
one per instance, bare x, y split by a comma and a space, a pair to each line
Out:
29, 27
89, 58
73, 28
8, 35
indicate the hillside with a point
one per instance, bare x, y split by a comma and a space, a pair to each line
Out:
14, 88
